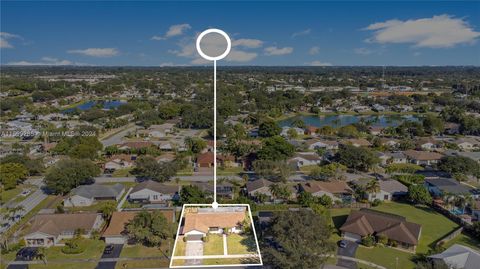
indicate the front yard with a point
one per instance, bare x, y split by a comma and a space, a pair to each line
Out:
93, 250
214, 245
241, 244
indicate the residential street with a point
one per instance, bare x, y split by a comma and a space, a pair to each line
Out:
117, 249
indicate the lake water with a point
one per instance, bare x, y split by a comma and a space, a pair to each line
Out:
342, 120
105, 104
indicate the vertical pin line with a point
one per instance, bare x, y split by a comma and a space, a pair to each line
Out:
214, 131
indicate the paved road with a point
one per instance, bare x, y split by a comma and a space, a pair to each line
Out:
117, 138
29, 203
348, 251
117, 249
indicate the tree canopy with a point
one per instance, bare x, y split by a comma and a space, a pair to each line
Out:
69, 173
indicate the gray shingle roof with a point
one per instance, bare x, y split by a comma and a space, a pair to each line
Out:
98, 190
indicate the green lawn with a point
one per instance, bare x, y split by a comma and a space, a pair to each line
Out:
180, 247
214, 246
139, 250
307, 168
93, 250
122, 172
229, 171
7, 195
466, 240
94, 208
386, 257
241, 244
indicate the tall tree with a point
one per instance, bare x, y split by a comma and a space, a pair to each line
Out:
150, 228
296, 246
69, 173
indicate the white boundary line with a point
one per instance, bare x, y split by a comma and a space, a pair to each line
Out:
215, 204
211, 266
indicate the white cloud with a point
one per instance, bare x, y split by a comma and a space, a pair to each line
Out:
240, 56
96, 52
247, 43
4, 40
46, 61
441, 31
363, 51
302, 33
187, 49
174, 30
314, 50
270, 51
318, 63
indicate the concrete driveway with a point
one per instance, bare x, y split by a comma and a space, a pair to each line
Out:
348, 251
117, 249
194, 248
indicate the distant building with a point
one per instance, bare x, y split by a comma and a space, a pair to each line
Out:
86, 195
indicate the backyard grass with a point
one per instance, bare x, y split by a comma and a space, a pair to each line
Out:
241, 244
214, 246
229, 171
96, 207
307, 168
93, 250
466, 240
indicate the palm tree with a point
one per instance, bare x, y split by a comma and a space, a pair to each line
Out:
373, 186
41, 254
275, 190
12, 212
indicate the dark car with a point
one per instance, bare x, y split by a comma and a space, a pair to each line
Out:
342, 244
108, 249
26, 254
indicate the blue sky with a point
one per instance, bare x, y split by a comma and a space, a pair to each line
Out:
267, 33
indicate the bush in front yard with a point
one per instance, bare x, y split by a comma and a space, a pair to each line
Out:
376, 202
382, 239
73, 246
392, 243
368, 240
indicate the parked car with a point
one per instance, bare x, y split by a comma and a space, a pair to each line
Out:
342, 244
108, 249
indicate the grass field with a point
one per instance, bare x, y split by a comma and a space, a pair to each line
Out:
240, 244
157, 263
82, 265
180, 247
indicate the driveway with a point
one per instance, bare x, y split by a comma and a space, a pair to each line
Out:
117, 249
194, 248
348, 251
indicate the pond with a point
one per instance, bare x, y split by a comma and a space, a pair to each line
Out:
88, 105
343, 120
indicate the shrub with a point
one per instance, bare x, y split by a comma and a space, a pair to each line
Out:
205, 239
392, 243
376, 202
184, 239
73, 246
368, 240
382, 239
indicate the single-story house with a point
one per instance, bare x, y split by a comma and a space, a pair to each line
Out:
304, 159
357, 142
458, 257
49, 229
322, 144
86, 195
116, 233
389, 142
427, 144
389, 190
396, 157
441, 186
198, 224
120, 161
337, 190
136, 145
364, 222
259, 187
153, 192
423, 157
311, 130
205, 159
285, 130
467, 143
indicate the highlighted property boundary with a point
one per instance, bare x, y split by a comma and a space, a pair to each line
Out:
257, 255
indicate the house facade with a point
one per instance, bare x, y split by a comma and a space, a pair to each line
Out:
153, 192
86, 195
48, 230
